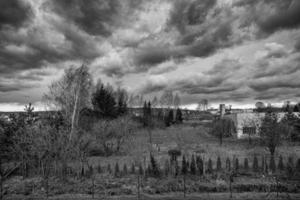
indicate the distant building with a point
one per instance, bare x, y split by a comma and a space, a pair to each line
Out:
248, 122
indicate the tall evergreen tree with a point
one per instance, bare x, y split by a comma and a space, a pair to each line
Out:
280, 164
209, 166
199, 162
255, 164
104, 102
193, 165
178, 117
219, 164
184, 167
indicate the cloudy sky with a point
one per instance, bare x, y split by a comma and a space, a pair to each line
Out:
232, 51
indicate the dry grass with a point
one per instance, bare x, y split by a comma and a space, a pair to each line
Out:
191, 141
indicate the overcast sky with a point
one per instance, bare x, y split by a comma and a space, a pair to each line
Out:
236, 52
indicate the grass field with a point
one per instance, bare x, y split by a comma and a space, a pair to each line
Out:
192, 141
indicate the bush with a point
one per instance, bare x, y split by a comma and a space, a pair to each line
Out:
199, 162
280, 163
246, 165
272, 164
219, 164
193, 165
228, 164
209, 166
255, 164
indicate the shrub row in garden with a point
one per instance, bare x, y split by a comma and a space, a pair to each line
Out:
197, 166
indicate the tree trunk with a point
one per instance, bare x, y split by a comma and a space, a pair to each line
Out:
73, 122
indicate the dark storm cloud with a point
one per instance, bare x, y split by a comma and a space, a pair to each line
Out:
14, 13
114, 71
271, 16
215, 80
199, 35
94, 17
263, 85
150, 55
212, 90
11, 87
186, 13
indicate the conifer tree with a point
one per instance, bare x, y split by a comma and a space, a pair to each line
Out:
290, 167
255, 164
109, 168
132, 168
219, 164
228, 164
154, 169
199, 162
298, 166
99, 169
167, 167
193, 165
236, 164
263, 164
272, 164
246, 164
125, 170
178, 117
141, 170
209, 166
184, 167
117, 169
280, 164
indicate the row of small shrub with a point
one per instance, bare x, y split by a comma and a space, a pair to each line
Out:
196, 166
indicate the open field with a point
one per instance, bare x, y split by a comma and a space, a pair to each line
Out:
192, 141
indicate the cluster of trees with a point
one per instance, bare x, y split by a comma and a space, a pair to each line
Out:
167, 100
45, 145
152, 116
286, 107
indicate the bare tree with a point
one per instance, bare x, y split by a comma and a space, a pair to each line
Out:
176, 101
71, 93
154, 102
270, 131
166, 99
